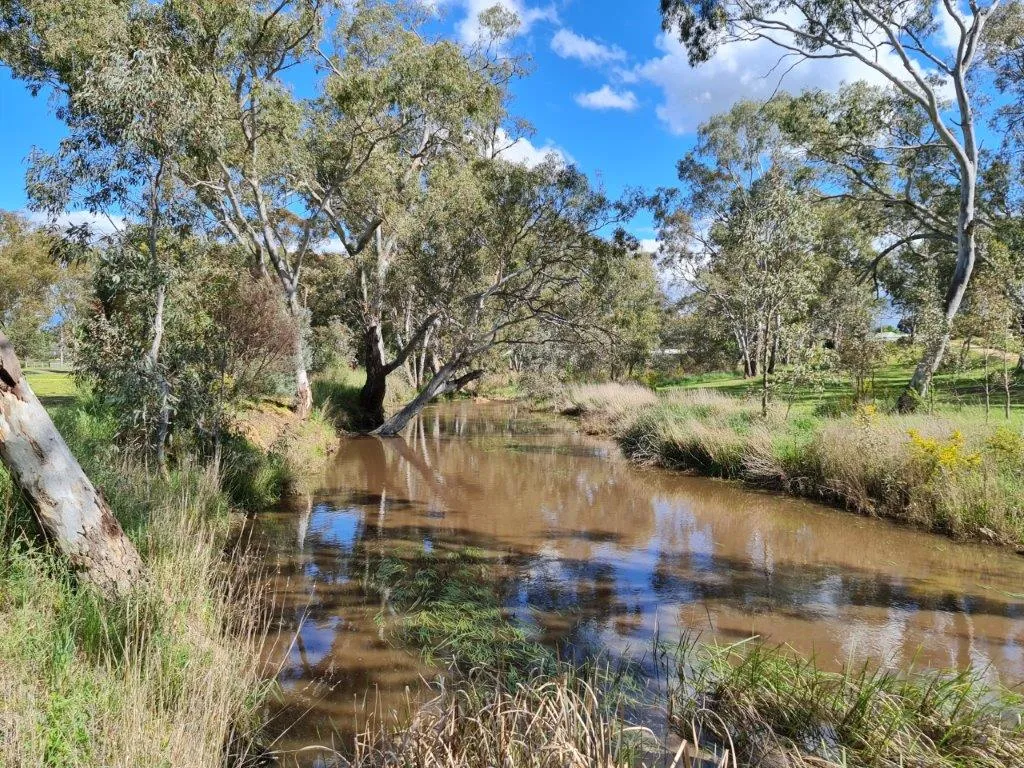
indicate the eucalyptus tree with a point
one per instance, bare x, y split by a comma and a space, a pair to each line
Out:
1004, 51
900, 44
128, 99
505, 256
251, 167
763, 269
739, 167
394, 103
39, 296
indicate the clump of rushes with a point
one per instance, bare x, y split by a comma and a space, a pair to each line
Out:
445, 604
604, 407
775, 709
950, 474
545, 721
169, 675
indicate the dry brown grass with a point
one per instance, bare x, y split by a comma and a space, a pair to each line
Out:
563, 721
603, 408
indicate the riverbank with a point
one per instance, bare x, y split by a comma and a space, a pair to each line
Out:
951, 473
171, 674
508, 699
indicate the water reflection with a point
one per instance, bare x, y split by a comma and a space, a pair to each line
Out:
593, 553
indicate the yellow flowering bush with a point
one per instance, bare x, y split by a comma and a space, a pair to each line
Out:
866, 415
945, 457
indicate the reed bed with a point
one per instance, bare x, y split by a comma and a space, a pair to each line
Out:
775, 709
552, 721
739, 706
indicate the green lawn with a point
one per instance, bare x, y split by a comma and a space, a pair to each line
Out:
52, 387
956, 387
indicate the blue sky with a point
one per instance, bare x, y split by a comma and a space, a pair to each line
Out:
608, 90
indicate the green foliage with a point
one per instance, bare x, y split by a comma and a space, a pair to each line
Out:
766, 702
39, 297
223, 339
252, 478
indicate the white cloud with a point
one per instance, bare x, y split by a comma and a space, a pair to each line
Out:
752, 69
523, 151
650, 245
569, 45
469, 29
99, 225
949, 30
608, 98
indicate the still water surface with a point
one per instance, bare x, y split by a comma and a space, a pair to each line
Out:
596, 555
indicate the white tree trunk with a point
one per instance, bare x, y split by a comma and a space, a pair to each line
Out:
965, 262
70, 509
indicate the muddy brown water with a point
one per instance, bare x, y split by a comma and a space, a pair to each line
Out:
595, 555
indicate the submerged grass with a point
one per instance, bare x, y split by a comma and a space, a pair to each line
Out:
445, 604
506, 700
954, 473
168, 676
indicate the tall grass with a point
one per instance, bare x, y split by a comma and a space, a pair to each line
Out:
954, 474
168, 676
547, 721
741, 706
775, 709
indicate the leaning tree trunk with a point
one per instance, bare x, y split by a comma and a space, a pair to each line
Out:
966, 256
442, 383
72, 512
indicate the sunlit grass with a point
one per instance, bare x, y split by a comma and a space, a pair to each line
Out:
954, 471
171, 674
51, 387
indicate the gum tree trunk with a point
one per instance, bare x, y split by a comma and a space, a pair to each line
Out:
371, 397
303, 389
70, 509
441, 384
966, 257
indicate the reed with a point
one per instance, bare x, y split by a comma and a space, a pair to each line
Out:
776, 709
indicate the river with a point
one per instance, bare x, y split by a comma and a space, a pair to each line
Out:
599, 556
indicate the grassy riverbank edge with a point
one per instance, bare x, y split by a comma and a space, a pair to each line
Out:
171, 674
952, 473
505, 699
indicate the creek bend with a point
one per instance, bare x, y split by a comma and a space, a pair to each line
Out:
595, 555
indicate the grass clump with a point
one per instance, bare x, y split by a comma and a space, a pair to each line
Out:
545, 721
952, 473
775, 709
446, 605
169, 675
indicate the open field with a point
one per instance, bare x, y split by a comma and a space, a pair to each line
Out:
52, 387
956, 387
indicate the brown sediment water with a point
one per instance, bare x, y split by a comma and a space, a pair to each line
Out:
597, 556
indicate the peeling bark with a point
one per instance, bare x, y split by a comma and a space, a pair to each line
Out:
72, 512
